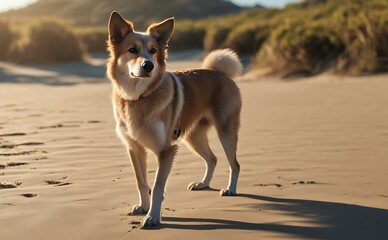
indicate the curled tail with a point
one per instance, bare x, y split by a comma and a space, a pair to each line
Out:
225, 61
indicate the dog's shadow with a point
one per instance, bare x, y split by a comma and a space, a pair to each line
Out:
325, 220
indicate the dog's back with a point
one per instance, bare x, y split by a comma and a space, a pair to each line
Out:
209, 92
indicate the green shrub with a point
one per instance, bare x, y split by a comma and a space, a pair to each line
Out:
93, 39
215, 37
248, 38
365, 36
341, 36
297, 47
344, 36
7, 40
51, 41
187, 35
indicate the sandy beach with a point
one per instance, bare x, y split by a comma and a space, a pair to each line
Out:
313, 157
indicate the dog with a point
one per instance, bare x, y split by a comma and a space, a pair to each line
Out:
154, 108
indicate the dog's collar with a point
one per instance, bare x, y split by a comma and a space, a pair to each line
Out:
178, 107
132, 103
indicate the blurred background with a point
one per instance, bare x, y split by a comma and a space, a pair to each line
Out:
286, 37
314, 130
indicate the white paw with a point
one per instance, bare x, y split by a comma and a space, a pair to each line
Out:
138, 210
149, 221
197, 186
227, 192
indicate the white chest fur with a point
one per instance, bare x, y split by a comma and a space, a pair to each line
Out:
152, 136
147, 127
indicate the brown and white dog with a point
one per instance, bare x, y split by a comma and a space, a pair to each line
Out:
154, 107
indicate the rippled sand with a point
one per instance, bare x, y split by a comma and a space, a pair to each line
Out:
313, 155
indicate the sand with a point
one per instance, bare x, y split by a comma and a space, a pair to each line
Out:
313, 157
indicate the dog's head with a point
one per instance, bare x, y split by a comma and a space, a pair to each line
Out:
139, 54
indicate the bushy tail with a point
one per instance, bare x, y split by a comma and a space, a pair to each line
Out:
225, 61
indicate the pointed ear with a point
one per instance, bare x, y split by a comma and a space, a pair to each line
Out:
118, 27
162, 31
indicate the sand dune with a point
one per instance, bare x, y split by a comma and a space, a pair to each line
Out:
313, 155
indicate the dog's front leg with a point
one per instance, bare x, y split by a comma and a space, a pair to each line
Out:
164, 161
138, 156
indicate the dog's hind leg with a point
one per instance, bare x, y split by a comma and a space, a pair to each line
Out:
228, 136
138, 156
197, 141
164, 161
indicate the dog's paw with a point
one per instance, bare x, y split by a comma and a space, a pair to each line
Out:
149, 221
227, 192
197, 186
138, 210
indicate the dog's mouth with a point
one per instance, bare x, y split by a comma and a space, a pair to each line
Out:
144, 75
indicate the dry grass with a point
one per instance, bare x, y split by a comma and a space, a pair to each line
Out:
50, 41
7, 39
247, 38
215, 37
187, 35
347, 37
43, 41
93, 39
344, 36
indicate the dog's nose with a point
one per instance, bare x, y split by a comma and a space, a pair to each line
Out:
147, 66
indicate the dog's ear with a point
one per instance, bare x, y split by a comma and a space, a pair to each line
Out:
118, 27
162, 31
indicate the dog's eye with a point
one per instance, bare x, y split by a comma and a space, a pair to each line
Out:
153, 50
132, 50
